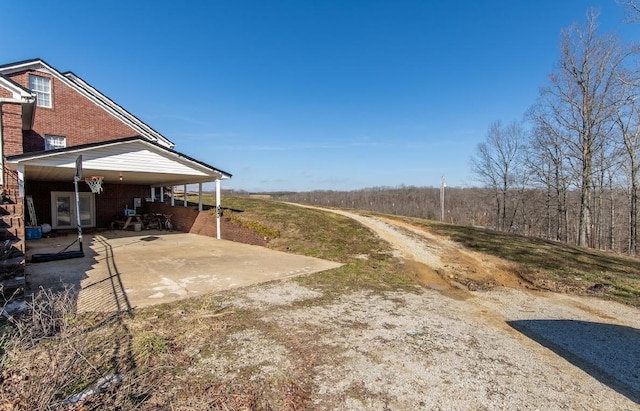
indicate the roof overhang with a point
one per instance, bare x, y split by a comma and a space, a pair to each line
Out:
17, 91
20, 95
132, 160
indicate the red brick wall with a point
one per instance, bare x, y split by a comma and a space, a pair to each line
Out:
206, 224
182, 218
110, 203
11, 128
189, 219
4, 93
72, 116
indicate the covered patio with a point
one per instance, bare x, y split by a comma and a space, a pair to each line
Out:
134, 172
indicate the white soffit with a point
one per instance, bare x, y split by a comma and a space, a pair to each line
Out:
143, 161
132, 156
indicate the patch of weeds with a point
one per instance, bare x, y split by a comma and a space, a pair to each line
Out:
148, 345
206, 351
308, 231
356, 325
261, 229
242, 395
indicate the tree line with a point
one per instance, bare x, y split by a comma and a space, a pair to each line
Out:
576, 148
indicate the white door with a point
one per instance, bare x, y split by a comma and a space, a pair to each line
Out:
63, 209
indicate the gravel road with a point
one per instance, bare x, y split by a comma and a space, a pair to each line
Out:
443, 346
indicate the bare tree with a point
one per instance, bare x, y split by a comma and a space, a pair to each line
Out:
499, 165
632, 8
627, 120
580, 108
547, 164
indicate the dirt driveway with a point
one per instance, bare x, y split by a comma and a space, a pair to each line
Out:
441, 347
123, 270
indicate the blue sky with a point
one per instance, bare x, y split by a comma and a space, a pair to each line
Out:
304, 95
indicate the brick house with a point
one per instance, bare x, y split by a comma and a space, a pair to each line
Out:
48, 119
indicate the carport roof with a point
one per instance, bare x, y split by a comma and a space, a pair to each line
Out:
130, 160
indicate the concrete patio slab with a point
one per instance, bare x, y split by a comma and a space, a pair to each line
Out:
123, 270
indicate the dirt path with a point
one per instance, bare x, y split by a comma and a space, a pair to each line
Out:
502, 346
551, 320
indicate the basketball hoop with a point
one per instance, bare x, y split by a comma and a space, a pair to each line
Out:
94, 183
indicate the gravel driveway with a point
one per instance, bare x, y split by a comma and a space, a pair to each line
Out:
443, 347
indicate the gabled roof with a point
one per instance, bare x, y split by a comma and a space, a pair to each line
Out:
138, 159
91, 94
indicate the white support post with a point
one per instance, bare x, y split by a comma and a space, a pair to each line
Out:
218, 209
173, 201
199, 196
153, 194
162, 194
21, 180
185, 195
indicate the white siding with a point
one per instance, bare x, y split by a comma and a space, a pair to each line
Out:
133, 157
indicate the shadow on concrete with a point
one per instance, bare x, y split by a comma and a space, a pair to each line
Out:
608, 352
102, 290
105, 292
61, 274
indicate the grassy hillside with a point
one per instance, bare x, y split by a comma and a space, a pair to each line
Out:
549, 265
368, 261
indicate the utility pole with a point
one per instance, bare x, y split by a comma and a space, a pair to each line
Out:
444, 184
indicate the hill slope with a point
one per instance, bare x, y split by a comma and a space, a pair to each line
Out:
477, 258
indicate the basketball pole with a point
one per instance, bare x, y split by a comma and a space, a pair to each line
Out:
64, 254
77, 178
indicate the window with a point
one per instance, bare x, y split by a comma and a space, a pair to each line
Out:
54, 142
42, 87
